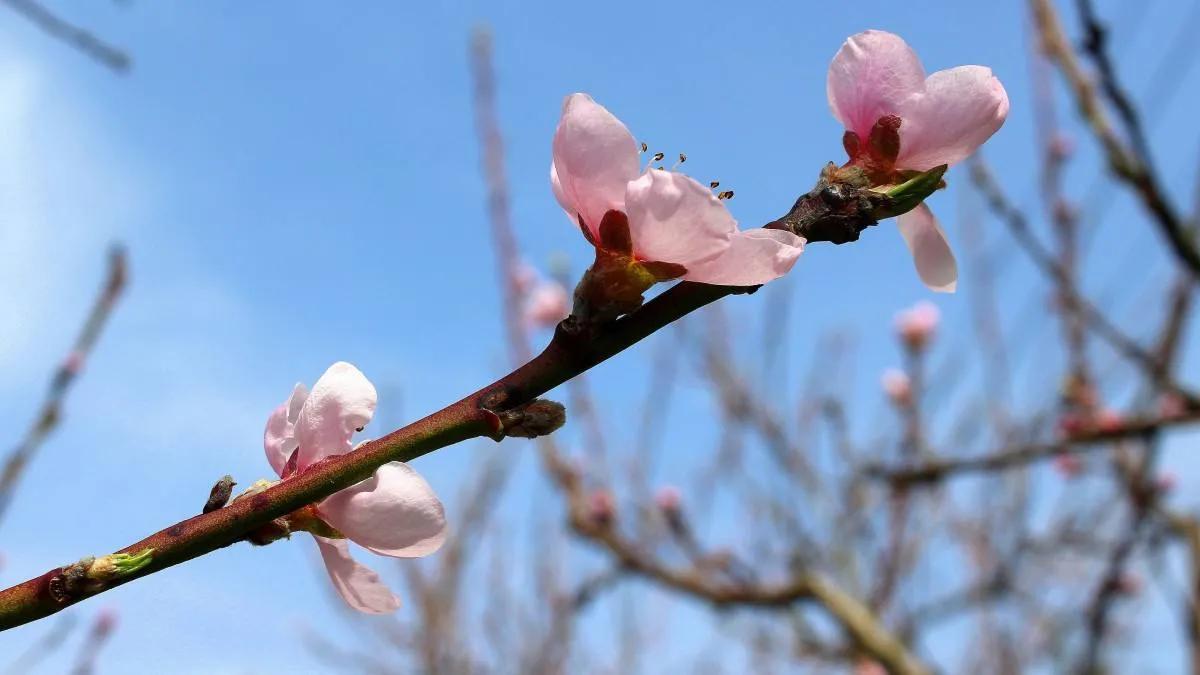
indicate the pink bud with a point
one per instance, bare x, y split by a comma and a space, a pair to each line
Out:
601, 507
869, 667
668, 498
916, 325
523, 277
1165, 482
1068, 465
1061, 146
1109, 420
1072, 424
106, 622
1129, 583
1172, 406
897, 385
548, 304
73, 363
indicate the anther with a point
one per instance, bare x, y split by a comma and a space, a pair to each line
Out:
714, 185
658, 156
728, 194
644, 146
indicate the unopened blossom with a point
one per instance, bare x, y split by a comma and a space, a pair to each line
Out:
393, 513
1165, 482
899, 122
106, 622
916, 325
1172, 405
666, 222
897, 385
547, 304
73, 364
1068, 465
1129, 583
1071, 424
1109, 420
601, 507
668, 498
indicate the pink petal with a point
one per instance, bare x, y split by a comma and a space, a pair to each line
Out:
393, 513
358, 585
753, 257
594, 157
870, 76
674, 219
279, 438
959, 109
341, 402
930, 250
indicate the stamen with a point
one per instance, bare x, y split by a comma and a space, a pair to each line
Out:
682, 159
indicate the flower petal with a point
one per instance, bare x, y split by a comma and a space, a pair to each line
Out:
753, 257
393, 513
594, 157
341, 402
358, 585
870, 76
930, 250
279, 439
959, 110
675, 219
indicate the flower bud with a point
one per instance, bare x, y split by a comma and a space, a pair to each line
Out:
915, 326
1109, 420
601, 507
1172, 406
898, 387
547, 304
668, 499
1165, 482
1068, 465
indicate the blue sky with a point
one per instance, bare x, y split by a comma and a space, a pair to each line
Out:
299, 184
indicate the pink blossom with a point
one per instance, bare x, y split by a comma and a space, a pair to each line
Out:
523, 276
1129, 583
547, 304
1109, 420
668, 498
106, 622
601, 507
1068, 465
1165, 482
876, 87
897, 385
666, 221
916, 325
393, 513
73, 364
1172, 405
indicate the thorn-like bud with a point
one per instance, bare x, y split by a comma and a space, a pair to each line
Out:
218, 497
540, 417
